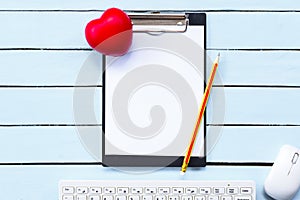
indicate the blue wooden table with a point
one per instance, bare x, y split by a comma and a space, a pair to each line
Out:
42, 49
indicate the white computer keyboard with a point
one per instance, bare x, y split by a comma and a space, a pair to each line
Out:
156, 190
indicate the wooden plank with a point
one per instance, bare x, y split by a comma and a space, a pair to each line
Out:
83, 144
250, 144
50, 106
165, 5
258, 68
44, 30
50, 68
55, 106
55, 68
253, 30
225, 30
43, 180
267, 106
36, 144
44, 144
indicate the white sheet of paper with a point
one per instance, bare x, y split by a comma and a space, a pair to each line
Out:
153, 94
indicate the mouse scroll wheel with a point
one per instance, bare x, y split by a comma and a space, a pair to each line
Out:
295, 158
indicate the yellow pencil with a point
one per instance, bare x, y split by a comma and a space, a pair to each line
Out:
200, 115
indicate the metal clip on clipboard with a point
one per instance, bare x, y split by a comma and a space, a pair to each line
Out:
159, 23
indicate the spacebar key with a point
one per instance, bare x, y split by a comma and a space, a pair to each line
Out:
242, 198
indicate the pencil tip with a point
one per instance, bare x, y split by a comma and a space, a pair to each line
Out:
182, 173
217, 58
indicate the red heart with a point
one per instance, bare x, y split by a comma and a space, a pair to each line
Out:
111, 34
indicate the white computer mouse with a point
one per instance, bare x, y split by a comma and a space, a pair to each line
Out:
283, 180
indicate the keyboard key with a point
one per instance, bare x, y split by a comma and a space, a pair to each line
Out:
205, 190
219, 190
191, 190
68, 197
137, 190
174, 197
109, 190
134, 197
226, 198
82, 190
232, 190
177, 190
213, 197
81, 197
107, 197
246, 190
68, 190
150, 190
120, 197
164, 190
147, 197
242, 198
94, 198
123, 190
187, 198
200, 197
160, 197
95, 190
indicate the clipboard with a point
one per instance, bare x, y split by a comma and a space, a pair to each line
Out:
165, 65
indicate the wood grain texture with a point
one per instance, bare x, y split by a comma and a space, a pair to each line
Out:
251, 144
49, 68
42, 145
66, 30
63, 68
44, 30
22, 106
247, 5
253, 30
65, 145
265, 106
257, 68
262, 106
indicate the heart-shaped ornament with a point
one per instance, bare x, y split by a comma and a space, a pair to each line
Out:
111, 34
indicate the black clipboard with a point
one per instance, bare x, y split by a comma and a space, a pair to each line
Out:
184, 22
